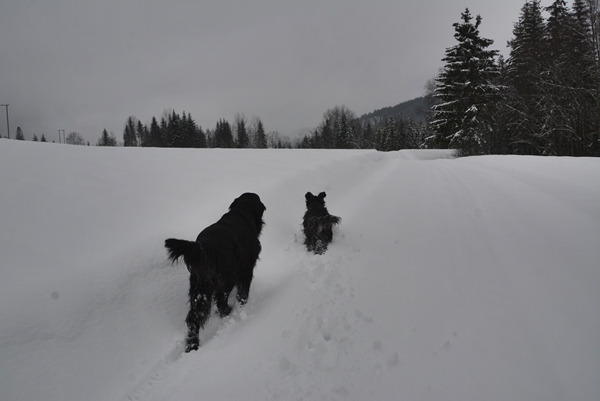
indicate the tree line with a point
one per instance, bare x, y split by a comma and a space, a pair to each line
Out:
181, 131
342, 129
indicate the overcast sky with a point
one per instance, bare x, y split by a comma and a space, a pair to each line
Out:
87, 65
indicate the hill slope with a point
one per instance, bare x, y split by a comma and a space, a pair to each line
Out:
415, 109
451, 279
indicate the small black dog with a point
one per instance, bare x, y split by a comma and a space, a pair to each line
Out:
222, 257
318, 224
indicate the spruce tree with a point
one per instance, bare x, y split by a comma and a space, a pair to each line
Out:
391, 140
154, 136
164, 132
261, 138
368, 137
177, 137
242, 138
129, 133
20, 135
105, 139
223, 137
465, 89
142, 134
526, 67
586, 81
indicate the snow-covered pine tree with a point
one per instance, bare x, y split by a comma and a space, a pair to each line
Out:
464, 88
526, 67
585, 80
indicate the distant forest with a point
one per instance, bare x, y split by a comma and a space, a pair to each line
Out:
544, 99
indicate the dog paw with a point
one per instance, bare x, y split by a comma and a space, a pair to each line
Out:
225, 311
192, 344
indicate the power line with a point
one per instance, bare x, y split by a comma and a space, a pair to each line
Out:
7, 124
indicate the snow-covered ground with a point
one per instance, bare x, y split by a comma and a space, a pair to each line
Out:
449, 279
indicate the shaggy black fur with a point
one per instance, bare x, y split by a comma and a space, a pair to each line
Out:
222, 257
318, 224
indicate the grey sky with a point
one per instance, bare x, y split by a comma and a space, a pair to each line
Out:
87, 65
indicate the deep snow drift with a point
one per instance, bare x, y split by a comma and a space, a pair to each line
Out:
449, 279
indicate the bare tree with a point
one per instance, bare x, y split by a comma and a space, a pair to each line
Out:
75, 138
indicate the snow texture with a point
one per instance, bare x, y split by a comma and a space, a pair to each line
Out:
449, 279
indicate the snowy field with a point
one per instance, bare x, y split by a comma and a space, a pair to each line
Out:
449, 279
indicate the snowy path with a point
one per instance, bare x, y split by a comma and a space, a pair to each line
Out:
436, 288
449, 279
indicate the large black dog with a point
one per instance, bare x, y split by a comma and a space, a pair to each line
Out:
318, 224
222, 257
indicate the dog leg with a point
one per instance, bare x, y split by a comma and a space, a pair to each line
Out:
200, 305
243, 289
221, 297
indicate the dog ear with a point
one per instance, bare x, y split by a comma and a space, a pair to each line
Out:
308, 195
322, 195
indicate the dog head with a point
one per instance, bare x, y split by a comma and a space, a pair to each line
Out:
251, 203
313, 201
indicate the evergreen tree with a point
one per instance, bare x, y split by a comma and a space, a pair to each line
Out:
154, 136
43, 139
20, 135
129, 133
35, 138
242, 140
526, 67
177, 135
106, 139
465, 90
586, 81
164, 132
194, 135
500, 113
223, 137
261, 137
368, 137
142, 133
556, 82
327, 138
391, 137
343, 134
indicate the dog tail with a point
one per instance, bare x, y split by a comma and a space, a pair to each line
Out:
197, 256
335, 220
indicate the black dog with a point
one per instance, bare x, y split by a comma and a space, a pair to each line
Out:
318, 224
222, 257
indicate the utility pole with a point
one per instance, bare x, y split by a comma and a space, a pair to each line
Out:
7, 124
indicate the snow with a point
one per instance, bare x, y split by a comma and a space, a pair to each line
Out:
448, 279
